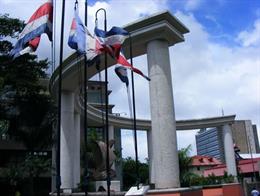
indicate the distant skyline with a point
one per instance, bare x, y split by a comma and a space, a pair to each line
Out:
218, 65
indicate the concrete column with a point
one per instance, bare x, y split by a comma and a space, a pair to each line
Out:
111, 132
76, 159
164, 141
67, 140
229, 150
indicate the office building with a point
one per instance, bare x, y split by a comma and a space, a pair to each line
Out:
209, 141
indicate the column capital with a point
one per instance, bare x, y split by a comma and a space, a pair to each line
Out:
162, 26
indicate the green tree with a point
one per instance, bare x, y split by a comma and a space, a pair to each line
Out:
10, 27
129, 174
24, 102
185, 162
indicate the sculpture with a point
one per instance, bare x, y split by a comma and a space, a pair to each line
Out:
97, 159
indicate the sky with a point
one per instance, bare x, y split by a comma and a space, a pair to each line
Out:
216, 68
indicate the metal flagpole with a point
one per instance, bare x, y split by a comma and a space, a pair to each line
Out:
134, 112
85, 106
53, 38
106, 101
58, 177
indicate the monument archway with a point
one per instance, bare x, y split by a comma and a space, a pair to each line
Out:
152, 36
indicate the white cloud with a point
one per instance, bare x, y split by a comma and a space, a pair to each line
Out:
128, 145
192, 4
250, 37
208, 76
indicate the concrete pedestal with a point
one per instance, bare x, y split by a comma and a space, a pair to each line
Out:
165, 162
115, 185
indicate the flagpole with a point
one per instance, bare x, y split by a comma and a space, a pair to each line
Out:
53, 38
58, 177
85, 106
106, 107
134, 112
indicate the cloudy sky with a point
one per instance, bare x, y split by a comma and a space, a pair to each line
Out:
217, 67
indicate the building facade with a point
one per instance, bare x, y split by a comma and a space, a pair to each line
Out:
209, 142
245, 136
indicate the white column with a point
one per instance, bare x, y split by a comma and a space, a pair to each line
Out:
76, 163
229, 150
165, 155
111, 132
67, 140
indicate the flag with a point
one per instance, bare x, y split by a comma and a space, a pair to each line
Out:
121, 72
77, 37
112, 40
32, 46
81, 40
111, 43
122, 60
39, 23
115, 36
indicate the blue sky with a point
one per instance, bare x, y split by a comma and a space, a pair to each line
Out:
218, 65
223, 19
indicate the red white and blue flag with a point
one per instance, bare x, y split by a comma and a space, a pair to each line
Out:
123, 61
112, 40
111, 43
82, 41
121, 72
39, 23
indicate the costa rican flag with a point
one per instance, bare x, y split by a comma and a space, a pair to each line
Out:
112, 40
111, 43
81, 40
39, 23
77, 37
123, 61
121, 72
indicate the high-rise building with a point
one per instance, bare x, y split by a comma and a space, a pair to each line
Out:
245, 136
209, 142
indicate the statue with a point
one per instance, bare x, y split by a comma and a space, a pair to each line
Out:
97, 154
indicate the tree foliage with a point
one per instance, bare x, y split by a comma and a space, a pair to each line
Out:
24, 102
129, 174
27, 112
187, 178
10, 27
184, 163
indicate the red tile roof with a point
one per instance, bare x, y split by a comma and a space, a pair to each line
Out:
199, 160
245, 166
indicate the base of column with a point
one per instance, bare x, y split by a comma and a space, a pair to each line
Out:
102, 185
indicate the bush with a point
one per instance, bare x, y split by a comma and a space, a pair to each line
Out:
211, 180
